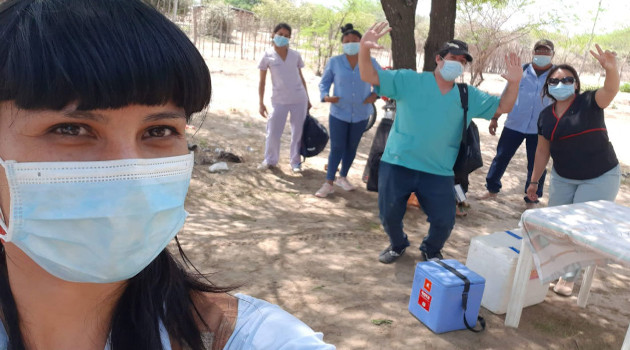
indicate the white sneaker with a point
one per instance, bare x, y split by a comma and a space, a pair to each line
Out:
264, 165
325, 190
296, 168
343, 183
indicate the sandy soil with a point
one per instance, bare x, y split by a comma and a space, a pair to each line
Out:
317, 258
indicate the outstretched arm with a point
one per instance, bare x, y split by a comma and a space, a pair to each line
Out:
608, 60
370, 41
513, 76
540, 163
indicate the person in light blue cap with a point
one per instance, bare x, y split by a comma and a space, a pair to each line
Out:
95, 96
350, 108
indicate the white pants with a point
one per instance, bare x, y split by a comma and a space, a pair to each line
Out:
275, 127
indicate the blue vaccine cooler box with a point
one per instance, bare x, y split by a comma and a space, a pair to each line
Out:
436, 296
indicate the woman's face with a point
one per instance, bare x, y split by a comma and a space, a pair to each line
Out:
134, 131
351, 38
283, 32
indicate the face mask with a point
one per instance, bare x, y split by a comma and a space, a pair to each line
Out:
451, 70
562, 91
351, 49
541, 60
280, 41
96, 222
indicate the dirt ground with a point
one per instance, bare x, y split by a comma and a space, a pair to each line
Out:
317, 258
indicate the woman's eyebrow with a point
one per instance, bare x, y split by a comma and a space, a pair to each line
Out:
85, 115
163, 115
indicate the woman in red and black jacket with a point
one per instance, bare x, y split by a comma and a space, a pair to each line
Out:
573, 133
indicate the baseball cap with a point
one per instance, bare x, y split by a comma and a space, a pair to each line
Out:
544, 42
457, 47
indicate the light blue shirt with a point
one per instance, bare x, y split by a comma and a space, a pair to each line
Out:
259, 325
349, 87
524, 115
428, 127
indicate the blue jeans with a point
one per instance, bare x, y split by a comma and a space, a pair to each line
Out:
567, 191
344, 141
509, 142
435, 195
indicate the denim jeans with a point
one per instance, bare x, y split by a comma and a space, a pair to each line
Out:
344, 141
567, 191
435, 195
509, 142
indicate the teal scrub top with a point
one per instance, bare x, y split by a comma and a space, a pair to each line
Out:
428, 127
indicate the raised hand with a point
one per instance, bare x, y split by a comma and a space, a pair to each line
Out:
608, 59
376, 31
514, 71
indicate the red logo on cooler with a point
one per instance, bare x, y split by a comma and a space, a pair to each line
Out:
427, 285
424, 300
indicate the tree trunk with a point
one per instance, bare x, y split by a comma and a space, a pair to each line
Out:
441, 29
401, 17
175, 5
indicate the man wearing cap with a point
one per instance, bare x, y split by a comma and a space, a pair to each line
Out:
521, 123
424, 140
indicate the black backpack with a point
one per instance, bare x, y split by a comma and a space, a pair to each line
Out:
314, 137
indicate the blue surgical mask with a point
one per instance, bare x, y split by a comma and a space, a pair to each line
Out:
451, 70
96, 222
541, 60
351, 49
561, 91
280, 40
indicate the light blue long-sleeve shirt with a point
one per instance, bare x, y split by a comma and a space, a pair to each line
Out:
524, 116
349, 87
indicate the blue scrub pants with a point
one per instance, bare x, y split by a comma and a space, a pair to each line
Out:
435, 195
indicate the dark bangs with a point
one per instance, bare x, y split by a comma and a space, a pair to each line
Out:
101, 54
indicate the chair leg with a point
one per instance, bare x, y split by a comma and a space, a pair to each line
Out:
585, 289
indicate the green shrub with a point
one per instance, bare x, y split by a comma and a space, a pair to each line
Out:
586, 87
625, 87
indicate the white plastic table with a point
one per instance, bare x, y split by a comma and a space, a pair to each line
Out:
564, 238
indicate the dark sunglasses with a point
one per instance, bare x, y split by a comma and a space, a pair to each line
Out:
565, 80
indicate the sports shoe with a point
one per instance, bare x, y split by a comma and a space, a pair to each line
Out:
531, 205
389, 255
296, 168
563, 287
428, 257
325, 190
264, 165
343, 183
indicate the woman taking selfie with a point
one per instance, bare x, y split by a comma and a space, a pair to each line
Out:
94, 100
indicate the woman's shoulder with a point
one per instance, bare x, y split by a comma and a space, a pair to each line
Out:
263, 325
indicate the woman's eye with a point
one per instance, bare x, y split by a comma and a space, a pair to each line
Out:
70, 130
161, 131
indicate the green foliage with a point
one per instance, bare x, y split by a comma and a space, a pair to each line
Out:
243, 4
625, 87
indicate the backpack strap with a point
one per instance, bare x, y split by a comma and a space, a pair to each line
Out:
463, 96
481, 320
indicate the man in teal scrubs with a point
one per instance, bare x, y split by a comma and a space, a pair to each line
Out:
424, 141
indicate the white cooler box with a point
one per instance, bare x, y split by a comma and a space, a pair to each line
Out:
495, 257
